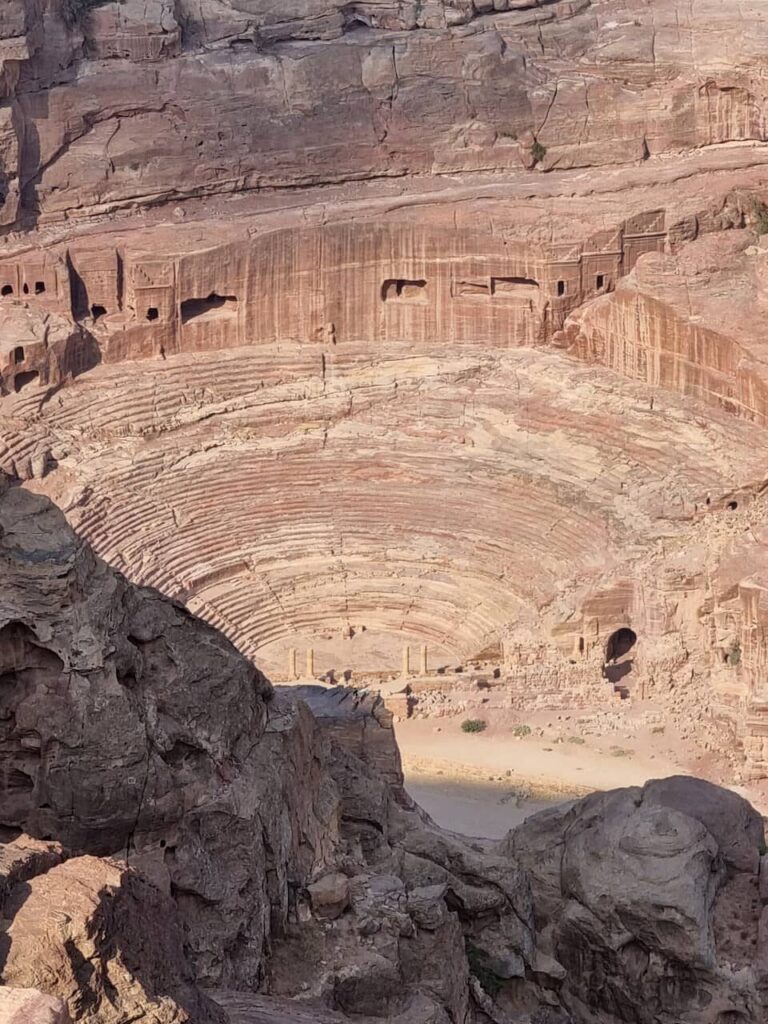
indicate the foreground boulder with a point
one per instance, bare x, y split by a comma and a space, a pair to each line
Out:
105, 941
649, 899
26, 1006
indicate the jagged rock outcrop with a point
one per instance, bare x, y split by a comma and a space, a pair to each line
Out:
650, 901
107, 941
170, 821
359, 722
132, 731
128, 729
102, 942
396, 929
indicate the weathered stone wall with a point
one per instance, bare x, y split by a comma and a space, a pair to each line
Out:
382, 282
350, 92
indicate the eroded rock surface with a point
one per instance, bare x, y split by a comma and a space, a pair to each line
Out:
239, 825
271, 845
26, 1006
388, 322
649, 900
446, 85
500, 263
105, 940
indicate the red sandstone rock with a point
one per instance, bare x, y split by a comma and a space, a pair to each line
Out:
105, 942
26, 1006
446, 86
324, 412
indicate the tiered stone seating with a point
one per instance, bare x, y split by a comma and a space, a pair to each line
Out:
441, 500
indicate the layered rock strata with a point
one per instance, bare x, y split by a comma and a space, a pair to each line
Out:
292, 246
421, 87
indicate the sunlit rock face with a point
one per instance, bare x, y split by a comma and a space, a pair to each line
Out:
417, 88
358, 327
393, 339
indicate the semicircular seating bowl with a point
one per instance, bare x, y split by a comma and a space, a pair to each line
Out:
435, 499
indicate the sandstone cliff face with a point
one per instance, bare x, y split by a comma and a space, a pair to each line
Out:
689, 322
418, 87
42, 348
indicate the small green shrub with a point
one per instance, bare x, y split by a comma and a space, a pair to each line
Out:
478, 966
760, 211
521, 730
577, 739
538, 152
473, 725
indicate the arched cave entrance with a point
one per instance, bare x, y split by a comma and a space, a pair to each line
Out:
22, 379
618, 655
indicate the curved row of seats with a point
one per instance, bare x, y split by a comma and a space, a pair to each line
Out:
440, 498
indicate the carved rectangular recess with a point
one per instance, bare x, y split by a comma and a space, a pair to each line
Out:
471, 289
518, 289
403, 290
210, 308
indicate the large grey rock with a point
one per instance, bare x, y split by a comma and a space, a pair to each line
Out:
359, 722
735, 825
647, 902
130, 728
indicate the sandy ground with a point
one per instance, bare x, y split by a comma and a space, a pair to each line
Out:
483, 784
471, 808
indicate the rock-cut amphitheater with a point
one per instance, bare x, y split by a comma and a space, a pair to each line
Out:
414, 345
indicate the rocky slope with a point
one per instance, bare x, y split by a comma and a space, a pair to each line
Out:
170, 822
132, 731
298, 331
